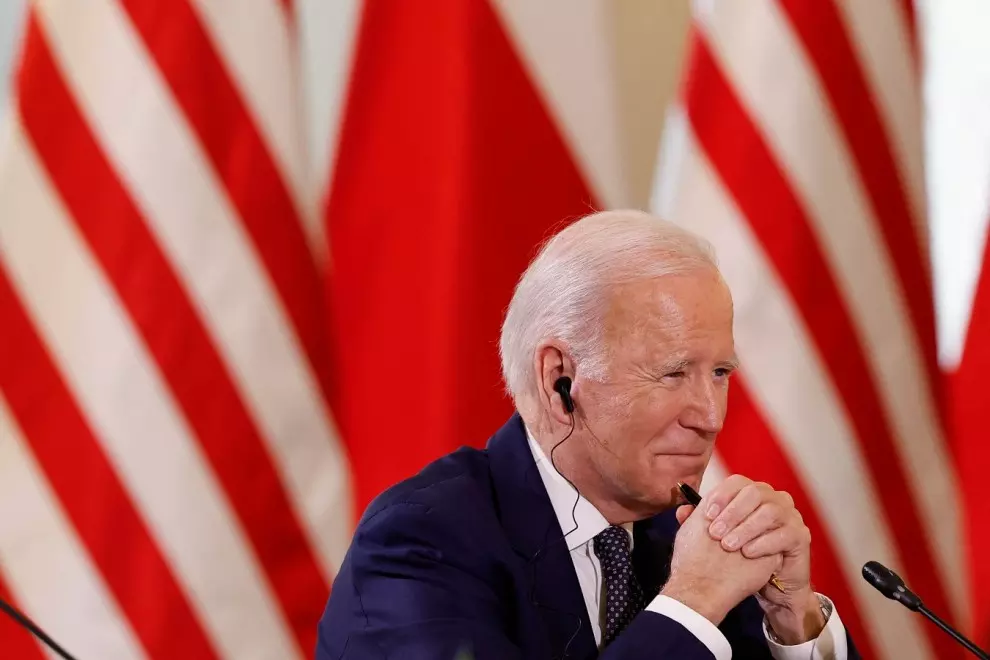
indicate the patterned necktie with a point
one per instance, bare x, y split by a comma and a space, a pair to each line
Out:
624, 597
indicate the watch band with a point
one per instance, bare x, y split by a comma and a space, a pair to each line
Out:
826, 608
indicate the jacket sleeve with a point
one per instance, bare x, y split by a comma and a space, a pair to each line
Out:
652, 635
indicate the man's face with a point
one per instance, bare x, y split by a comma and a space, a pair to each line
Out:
654, 418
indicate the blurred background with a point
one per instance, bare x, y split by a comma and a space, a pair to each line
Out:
254, 256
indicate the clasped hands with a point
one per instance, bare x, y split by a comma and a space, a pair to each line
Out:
741, 533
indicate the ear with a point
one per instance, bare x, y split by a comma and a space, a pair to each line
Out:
551, 361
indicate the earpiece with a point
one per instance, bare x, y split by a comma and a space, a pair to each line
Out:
562, 386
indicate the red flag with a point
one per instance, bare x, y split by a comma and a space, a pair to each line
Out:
970, 402
797, 150
448, 175
166, 376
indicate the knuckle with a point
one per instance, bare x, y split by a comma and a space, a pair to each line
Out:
766, 513
736, 482
754, 493
795, 537
725, 491
776, 514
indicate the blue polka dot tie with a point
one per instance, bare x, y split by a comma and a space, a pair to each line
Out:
624, 597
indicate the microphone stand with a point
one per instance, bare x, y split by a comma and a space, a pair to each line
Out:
27, 623
937, 620
892, 586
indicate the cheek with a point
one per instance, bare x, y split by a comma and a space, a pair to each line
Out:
615, 408
644, 421
658, 410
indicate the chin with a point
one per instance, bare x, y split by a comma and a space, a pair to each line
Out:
672, 468
693, 479
658, 500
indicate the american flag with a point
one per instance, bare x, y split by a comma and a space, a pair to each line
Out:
213, 354
798, 151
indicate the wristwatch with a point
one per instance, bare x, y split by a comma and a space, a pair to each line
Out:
823, 603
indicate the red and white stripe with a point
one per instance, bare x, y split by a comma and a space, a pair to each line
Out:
164, 369
45, 561
818, 162
789, 384
796, 153
172, 481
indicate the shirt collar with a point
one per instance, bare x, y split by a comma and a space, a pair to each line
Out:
590, 521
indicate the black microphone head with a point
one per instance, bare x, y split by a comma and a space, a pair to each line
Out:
890, 584
882, 578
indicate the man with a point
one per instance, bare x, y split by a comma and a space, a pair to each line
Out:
567, 537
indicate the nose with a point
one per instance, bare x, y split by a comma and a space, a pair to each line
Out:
704, 409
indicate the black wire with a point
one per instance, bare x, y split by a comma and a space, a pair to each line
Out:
27, 623
569, 482
577, 499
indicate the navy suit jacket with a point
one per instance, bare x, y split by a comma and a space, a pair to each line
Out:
469, 555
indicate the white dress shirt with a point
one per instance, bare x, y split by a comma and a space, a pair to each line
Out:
830, 645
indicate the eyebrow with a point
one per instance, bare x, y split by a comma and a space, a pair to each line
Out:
675, 365
732, 362
681, 364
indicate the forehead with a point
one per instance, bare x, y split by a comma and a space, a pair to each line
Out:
674, 309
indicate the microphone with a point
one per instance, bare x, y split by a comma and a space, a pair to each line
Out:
28, 624
892, 586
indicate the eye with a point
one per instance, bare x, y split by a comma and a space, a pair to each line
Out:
674, 374
723, 372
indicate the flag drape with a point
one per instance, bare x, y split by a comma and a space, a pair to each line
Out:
209, 365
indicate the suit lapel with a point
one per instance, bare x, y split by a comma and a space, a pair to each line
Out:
532, 528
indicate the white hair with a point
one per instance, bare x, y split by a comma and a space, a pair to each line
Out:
566, 290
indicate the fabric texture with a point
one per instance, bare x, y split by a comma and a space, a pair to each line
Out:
624, 597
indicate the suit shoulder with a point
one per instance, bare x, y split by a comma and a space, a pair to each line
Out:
445, 515
459, 479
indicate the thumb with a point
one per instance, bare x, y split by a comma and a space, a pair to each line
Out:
683, 512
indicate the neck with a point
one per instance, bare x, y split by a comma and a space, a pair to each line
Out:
571, 461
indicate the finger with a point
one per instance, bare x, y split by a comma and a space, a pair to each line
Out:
725, 492
768, 516
683, 512
746, 501
788, 539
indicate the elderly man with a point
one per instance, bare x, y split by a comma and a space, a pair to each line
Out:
567, 537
